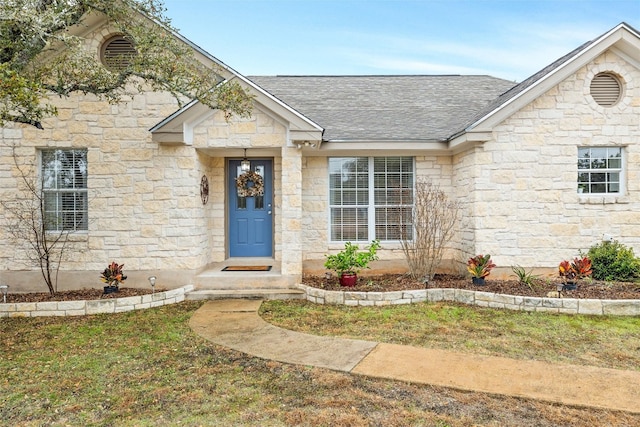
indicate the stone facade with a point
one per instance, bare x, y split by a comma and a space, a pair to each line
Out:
526, 207
516, 187
144, 205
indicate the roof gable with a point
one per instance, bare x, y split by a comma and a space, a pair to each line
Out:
623, 39
178, 127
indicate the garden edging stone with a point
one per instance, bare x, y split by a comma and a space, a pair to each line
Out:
82, 308
479, 298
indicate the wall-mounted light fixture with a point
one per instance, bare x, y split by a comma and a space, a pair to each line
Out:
152, 281
4, 289
204, 189
245, 164
300, 144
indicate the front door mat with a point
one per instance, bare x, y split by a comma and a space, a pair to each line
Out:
247, 268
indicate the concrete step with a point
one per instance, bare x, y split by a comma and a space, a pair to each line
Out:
215, 279
239, 280
266, 294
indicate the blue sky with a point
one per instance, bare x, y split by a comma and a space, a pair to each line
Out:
508, 39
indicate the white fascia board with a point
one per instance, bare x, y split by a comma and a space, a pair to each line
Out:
552, 78
271, 106
304, 135
633, 61
628, 48
381, 148
167, 120
296, 119
266, 98
470, 139
247, 82
178, 127
168, 138
205, 55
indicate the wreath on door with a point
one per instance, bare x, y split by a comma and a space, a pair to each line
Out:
244, 189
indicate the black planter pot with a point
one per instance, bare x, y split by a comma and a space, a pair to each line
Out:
110, 289
570, 286
479, 281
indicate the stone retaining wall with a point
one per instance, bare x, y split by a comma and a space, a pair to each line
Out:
81, 308
481, 299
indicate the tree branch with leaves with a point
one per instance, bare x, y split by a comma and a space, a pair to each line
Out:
41, 56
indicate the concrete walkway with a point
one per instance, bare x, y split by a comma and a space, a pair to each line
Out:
237, 325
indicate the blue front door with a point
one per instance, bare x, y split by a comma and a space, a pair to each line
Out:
250, 217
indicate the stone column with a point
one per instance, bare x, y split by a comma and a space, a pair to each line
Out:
291, 213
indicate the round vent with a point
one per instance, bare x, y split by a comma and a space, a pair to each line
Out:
606, 89
117, 53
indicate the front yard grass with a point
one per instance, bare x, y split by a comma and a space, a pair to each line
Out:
604, 341
147, 368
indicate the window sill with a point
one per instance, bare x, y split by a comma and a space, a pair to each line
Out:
602, 200
73, 236
384, 244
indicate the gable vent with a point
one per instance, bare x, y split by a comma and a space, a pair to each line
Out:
606, 89
117, 53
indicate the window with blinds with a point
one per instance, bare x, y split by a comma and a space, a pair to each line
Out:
117, 53
64, 187
371, 198
606, 89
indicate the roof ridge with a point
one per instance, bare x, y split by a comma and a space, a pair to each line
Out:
371, 75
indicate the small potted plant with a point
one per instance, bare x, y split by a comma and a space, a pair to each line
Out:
113, 276
480, 267
348, 262
571, 272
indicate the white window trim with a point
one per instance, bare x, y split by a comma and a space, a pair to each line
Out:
84, 190
622, 171
371, 206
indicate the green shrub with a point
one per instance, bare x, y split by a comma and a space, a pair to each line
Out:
350, 260
614, 261
525, 277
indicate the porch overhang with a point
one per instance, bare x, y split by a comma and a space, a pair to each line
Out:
351, 147
177, 129
469, 139
379, 147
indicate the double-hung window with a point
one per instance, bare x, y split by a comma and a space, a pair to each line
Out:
600, 170
64, 187
371, 198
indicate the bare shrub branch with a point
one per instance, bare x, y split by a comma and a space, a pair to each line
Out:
433, 218
26, 224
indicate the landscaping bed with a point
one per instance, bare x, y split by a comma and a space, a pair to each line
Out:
76, 295
398, 282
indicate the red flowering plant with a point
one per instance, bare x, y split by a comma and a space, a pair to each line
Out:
480, 266
577, 269
113, 275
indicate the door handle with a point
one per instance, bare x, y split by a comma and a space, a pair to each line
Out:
269, 212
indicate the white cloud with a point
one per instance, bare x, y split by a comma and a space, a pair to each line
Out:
513, 52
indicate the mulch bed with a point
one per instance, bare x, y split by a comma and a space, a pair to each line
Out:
387, 283
397, 282
82, 294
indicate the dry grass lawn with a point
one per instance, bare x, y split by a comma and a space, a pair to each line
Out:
148, 368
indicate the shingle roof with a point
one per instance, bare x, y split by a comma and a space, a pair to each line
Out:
521, 87
384, 108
